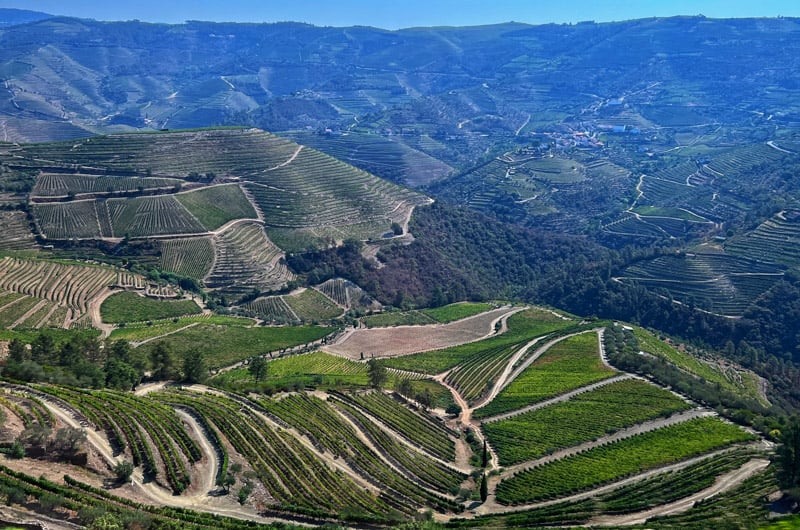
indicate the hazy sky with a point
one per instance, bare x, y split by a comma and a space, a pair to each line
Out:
393, 14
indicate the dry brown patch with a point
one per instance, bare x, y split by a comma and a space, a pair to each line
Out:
405, 340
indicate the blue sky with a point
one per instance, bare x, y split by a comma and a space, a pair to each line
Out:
394, 14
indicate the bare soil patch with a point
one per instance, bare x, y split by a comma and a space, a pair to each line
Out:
405, 340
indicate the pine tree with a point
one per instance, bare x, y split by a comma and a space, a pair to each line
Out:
484, 488
485, 459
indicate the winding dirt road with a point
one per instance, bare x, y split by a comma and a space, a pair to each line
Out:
723, 483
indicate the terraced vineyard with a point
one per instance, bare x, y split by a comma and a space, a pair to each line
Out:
70, 287
572, 363
475, 375
614, 461
68, 220
400, 471
63, 184
368, 456
346, 294
301, 194
148, 216
312, 305
774, 241
17, 234
152, 435
379, 155
583, 418
295, 476
422, 430
246, 259
271, 309
173, 155
719, 283
130, 307
192, 257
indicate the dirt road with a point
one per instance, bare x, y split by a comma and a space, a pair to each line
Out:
722, 484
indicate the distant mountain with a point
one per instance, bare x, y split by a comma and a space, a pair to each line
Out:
12, 17
451, 93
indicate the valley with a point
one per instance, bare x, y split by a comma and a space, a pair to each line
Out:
503, 276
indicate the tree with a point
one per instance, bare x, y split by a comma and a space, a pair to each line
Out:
484, 488
406, 388
35, 436
107, 521
69, 440
17, 351
162, 361
43, 349
425, 398
453, 409
225, 482
485, 458
258, 368
120, 375
789, 457
194, 366
376, 372
244, 492
123, 471
17, 450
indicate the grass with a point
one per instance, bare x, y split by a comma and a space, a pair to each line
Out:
317, 369
567, 365
223, 345
130, 307
140, 331
452, 312
651, 344
325, 371
677, 213
216, 205
311, 305
583, 418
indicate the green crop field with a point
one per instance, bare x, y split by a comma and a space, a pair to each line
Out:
677, 213
216, 205
223, 344
567, 365
617, 460
311, 305
583, 418
138, 331
452, 312
130, 307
